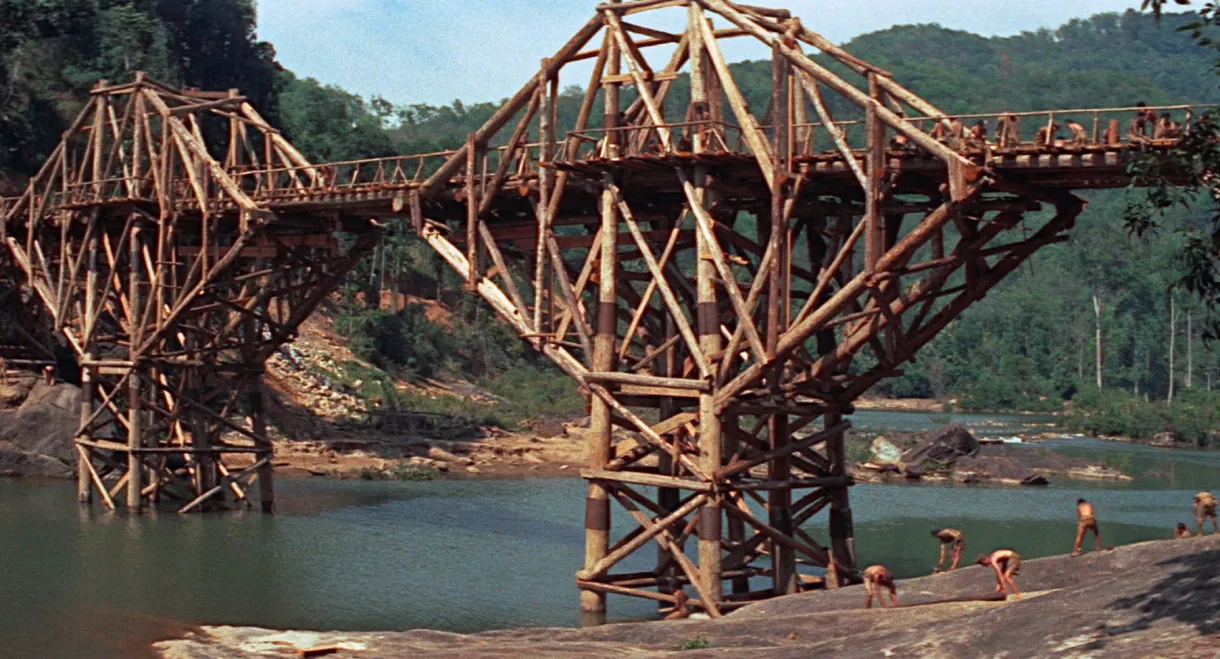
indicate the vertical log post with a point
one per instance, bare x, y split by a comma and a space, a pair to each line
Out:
874, 237
473, 252
597, 505
667, 497
842, 543
135, 435
708, 321
88, 388
779, 503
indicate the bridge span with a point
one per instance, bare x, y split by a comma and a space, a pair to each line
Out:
709, 275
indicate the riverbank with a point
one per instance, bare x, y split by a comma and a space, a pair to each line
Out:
1154, 598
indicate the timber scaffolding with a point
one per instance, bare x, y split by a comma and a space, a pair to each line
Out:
709, 276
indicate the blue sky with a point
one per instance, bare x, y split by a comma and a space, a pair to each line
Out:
434, 51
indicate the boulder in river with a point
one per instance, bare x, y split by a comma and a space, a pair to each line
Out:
944, 446
884, 452
38, 436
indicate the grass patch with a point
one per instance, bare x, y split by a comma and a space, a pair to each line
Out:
699, 642
402, 471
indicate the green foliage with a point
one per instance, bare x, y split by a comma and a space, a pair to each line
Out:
1194, 414
399, 471
699, 642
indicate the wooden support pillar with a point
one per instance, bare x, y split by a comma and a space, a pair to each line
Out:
88, 388
473, 253
708, 315
597, 505
842, 533
84, 482
874, 237
135, 419
779, 500
667, 497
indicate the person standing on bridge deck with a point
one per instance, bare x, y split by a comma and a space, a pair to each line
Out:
1087, 521
952, 542
1079, 136
977, 137
877, 577
1047, 135
1008, 130
1007, 564
1137, 129
1205, 507
1166, 128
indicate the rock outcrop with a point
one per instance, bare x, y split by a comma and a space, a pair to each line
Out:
1149, 599
36, 439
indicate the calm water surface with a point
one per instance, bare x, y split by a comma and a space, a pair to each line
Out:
459, 555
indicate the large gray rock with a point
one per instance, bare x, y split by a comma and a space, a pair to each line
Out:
945, 446
46, 422
16, 462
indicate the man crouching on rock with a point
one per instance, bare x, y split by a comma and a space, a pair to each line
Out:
951, 540
1205, 506
877, 577
1006, 563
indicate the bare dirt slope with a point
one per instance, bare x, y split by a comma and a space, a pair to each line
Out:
1153, 599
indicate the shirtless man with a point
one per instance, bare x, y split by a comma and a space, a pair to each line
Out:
1046, 135
1181, 532
1205, 506
1166, 128
978, 134
1079, 135
1086, 521
1007, 564
1137, 129
877, 577
950, 540
1008, 131
680, 610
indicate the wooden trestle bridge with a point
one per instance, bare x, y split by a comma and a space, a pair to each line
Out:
707, 272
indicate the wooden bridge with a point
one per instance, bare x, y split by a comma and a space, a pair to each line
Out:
722, 283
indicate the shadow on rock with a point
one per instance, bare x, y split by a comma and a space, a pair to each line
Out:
1190, 594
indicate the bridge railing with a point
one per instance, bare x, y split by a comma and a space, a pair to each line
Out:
591, 144
1013, 130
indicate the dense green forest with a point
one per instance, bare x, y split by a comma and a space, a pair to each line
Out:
1031, 344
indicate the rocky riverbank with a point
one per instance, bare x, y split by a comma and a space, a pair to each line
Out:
1149, 599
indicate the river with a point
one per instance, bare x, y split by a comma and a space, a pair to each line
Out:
462, 555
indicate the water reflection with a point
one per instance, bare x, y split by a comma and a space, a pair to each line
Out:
461, 555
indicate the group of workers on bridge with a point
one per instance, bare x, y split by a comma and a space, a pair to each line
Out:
1006, 563
1147, 126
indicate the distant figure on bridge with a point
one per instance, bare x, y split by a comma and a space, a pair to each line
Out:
900, 142
978, 134
1007, 564
1181, 532
1205, 507
1079, 136
952, 542
1047, 135
1166, 128
1087, 521
681, 608
1008, 130
877, 577
1137, 129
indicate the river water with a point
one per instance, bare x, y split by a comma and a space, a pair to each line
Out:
463, 555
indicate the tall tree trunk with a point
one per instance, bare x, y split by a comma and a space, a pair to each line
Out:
1173, 330
1190, 351
1097, 336
1135, 364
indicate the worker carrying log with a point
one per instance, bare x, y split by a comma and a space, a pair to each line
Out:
1086, 520
877, 577
1007, 564
1205, 507
952, 542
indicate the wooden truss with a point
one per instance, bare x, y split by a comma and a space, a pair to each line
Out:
172, 286
712, 292
722, 282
